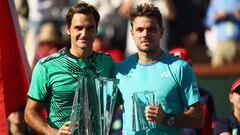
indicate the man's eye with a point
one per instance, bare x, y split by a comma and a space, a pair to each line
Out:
78, 28
90, 28
152, 30
139, 30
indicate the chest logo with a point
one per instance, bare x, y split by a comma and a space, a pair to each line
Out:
165, 74
99, 71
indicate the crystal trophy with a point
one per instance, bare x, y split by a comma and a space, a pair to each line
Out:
106, 91
93, 106
81, 114
140, 101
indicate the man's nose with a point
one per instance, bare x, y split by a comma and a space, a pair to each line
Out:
145, 32
84, 32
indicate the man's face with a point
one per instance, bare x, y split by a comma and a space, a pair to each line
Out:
235, 99
82, 31
146, 33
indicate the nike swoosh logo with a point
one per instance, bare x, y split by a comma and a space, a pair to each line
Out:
99, 71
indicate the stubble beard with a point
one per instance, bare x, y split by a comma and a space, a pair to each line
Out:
148, 50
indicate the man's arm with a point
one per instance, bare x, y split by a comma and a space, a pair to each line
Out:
192, 118
33, 118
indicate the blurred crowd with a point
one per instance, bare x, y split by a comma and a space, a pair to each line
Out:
211, 25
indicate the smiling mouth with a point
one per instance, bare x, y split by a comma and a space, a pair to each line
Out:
145, 42
83, 40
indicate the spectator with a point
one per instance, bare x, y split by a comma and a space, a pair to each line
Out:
101, 44
224, 18
114, 24
39, 12
17, 125
22, 11
49, 40
230, 125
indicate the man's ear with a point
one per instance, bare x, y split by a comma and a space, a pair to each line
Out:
67, 29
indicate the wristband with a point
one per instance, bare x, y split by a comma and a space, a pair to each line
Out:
169, 120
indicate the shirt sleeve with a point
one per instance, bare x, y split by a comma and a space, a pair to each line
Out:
38, 86
188, 85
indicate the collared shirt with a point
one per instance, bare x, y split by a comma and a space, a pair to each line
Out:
172, 80
54, 83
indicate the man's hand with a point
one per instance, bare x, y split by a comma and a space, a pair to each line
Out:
65, 129
155, 113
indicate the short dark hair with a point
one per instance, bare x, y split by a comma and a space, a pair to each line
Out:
148, 10
83, 8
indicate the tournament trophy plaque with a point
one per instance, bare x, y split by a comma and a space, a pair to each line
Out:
93, 106
140, 101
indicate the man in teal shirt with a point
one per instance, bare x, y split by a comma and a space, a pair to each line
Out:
55, 77
153, 69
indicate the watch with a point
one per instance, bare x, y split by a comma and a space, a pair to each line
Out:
170, 120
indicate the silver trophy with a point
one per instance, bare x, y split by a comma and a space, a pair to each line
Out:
140, 101
107, 91
93, 106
